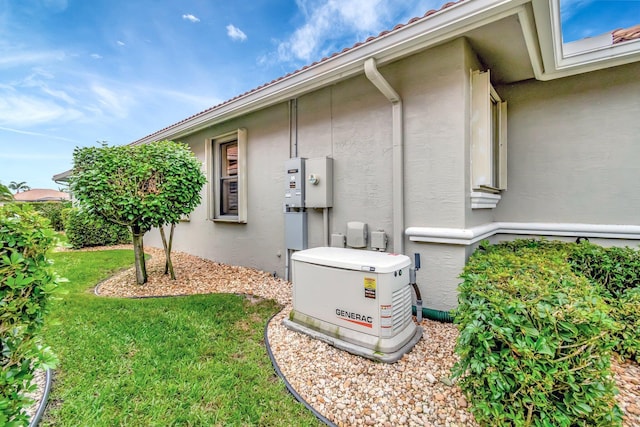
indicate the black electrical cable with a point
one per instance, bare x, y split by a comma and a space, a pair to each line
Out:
286, 383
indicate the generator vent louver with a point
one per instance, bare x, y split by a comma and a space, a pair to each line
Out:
355, 300
401, 299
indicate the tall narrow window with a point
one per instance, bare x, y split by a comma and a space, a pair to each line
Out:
229, 194
488, 142
229, 178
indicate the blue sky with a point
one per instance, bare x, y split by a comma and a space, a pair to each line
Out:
73, 72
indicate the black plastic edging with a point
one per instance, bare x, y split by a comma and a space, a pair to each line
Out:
43, 402
286, 383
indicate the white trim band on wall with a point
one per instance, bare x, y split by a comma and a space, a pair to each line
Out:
468, 236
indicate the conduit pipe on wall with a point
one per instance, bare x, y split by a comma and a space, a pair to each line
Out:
325, 226
372, 73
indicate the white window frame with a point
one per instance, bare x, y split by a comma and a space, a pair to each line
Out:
215, 161
488, 142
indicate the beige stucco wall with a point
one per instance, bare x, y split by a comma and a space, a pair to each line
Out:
574, 149
258, 242
351, 122
570, 145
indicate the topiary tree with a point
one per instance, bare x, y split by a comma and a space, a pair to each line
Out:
138, 186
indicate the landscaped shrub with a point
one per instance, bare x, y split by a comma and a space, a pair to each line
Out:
26, 284
532, 341
616, 271
84, 229
52, 211
626, 310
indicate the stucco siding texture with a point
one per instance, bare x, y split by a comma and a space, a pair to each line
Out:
257, 243
360, 144
432, 86
574, 149
351, 121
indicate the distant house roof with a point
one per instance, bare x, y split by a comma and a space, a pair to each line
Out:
62, 177
41, 195
626, 34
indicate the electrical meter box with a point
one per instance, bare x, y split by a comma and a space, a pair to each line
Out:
355, 300
294, 183
319, 185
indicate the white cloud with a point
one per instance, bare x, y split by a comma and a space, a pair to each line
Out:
38, 134
59, 94
96, 56
568, 8
20, 110
35, 80
111, 102
120, 43
56, 5
35, 156
330, 20
236, 33
328, 23
190, 17
16, 59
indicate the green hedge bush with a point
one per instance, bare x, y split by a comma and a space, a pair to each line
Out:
26, 284
626, 310
52, 211
533, 341
84, 230
616, 271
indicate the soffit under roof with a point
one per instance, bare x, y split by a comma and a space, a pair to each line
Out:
501, 47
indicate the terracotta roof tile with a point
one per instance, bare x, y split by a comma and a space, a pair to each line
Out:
345, 50
626, 34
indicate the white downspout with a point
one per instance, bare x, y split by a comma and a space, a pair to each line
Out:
372, 73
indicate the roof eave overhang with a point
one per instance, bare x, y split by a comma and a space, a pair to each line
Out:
539, 21
559, 62
441, 27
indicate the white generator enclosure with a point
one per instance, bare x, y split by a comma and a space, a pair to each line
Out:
355, 300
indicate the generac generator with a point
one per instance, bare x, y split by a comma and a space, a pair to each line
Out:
355, 300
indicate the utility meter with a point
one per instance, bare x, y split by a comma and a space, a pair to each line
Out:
294, 183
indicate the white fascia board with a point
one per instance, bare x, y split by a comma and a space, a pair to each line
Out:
559, 62
444, 25
469, 236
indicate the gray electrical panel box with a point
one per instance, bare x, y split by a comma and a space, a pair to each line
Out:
295, 230
319, 185
294, 183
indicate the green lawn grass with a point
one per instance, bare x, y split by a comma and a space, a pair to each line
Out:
197, 360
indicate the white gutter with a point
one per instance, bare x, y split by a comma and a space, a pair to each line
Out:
469, 236
372, 73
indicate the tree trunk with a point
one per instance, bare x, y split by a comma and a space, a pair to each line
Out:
168, 265
138, 251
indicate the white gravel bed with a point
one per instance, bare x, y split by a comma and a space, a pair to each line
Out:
350, 390
347, 389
